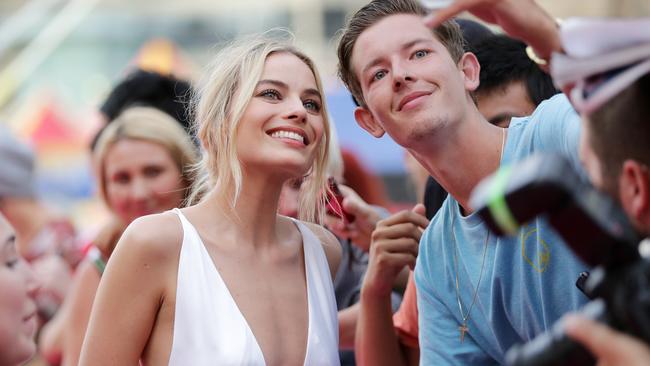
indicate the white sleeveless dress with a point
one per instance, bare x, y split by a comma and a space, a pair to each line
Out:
209, 329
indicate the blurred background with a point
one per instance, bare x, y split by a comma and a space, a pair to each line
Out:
59, 59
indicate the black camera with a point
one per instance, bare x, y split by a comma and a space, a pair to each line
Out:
597, 231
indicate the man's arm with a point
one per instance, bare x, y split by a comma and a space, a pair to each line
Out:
348, 326
522, 19
394, 246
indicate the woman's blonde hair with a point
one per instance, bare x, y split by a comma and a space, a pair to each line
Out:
151, 125
221, 102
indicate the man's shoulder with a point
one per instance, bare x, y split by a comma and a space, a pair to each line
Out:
548, 110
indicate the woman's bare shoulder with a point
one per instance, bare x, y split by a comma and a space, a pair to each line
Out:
157, 236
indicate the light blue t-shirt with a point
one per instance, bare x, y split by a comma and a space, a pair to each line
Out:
528, 280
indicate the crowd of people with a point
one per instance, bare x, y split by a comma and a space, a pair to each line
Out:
227, 242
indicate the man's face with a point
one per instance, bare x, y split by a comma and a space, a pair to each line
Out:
409, 81
626, 190
500, 105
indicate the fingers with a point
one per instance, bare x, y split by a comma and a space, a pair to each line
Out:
437, 17
414, 216
396, 231
609, 346
353, 203
396, 246
419, 209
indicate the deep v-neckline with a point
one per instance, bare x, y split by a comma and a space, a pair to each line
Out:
204, 251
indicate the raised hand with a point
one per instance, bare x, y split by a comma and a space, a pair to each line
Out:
395, 244
523, 19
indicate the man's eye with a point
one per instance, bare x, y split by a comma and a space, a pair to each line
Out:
378, 75
420, 53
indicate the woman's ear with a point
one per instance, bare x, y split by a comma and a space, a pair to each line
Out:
471, 70
365, 119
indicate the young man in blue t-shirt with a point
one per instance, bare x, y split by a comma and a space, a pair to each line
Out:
477, 294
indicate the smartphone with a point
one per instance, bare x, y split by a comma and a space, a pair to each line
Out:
335, 202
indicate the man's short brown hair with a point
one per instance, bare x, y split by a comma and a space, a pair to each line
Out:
448, 34
620, 130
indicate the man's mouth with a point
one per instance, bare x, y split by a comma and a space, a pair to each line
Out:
410, 98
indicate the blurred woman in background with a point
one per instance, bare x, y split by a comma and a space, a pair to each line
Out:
143, 159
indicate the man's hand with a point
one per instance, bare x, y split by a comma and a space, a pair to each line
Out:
610, 347
366, 218
522, 19
394, 246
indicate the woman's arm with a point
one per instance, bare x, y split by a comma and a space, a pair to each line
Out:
131, 292
79, 304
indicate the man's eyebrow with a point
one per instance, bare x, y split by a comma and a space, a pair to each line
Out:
412, 43
372, 64
405, 46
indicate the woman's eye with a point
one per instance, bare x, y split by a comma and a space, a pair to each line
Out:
152, 171
12, 263
420, 53
312, 105
121, 178
270, 93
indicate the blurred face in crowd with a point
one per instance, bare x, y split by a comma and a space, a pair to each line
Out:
18, 319
501, 105
141, 179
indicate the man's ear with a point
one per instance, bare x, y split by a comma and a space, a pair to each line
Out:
634, 191
367, 122
471, 69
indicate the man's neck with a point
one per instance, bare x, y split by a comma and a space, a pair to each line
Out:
461, 158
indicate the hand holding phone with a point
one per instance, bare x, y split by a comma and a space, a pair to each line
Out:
335, 202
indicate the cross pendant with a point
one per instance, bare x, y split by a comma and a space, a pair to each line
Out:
463, 329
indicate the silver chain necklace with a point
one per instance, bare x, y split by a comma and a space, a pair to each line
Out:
465, 317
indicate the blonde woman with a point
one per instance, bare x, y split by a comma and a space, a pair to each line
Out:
143, 159
228, 280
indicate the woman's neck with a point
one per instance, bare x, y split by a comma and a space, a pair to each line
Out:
253, 219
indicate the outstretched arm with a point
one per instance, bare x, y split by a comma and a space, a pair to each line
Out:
523, 19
